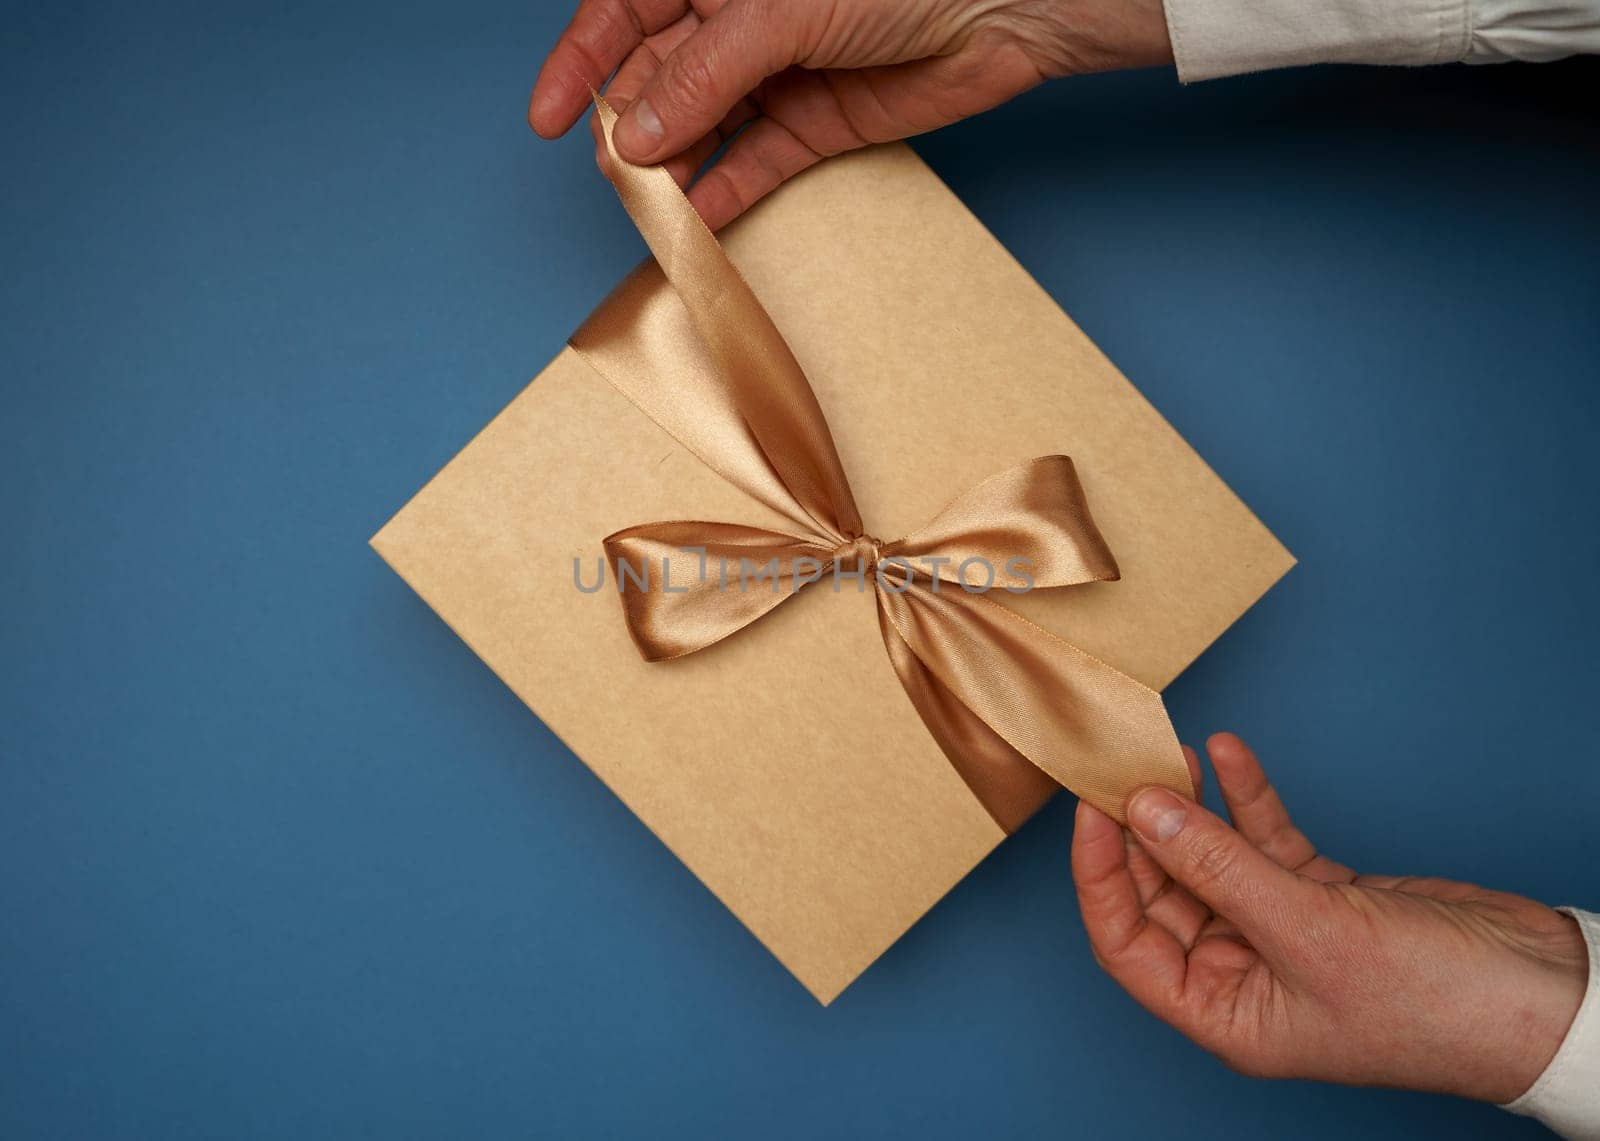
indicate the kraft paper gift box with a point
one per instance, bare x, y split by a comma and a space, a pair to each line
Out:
785, 765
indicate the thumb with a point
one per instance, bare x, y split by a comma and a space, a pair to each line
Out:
1220, 868
737, 47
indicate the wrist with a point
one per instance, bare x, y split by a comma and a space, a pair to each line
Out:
1079, 37
1536, 1010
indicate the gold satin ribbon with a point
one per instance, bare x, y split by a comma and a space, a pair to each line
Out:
1017, 710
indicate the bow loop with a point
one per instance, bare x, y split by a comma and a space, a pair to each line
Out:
687, 585
1028, 526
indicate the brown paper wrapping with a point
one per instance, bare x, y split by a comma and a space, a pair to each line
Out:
817, 807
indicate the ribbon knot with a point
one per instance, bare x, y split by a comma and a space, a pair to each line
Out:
862, 552
1017, 710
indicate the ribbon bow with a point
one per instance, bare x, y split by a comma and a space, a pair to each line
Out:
1017, 710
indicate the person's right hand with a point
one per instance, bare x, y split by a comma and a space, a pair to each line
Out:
1284, 963
805, 79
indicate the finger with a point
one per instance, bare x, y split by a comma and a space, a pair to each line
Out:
1253, 804
817, 114
598, 39
681, 166
1220, 867
1163, 900
645, 60
756, 163
733, 50
630, 79
1259, 813
1140, 955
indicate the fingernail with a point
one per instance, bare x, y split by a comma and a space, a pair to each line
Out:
639, 129
1156, 815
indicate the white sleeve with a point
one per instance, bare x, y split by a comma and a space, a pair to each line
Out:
1566, 1097
1213, 38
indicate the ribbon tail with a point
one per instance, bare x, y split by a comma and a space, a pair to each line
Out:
1008, 785
1087, 726
704, 360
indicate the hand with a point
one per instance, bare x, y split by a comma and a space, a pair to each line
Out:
1286, 964
810, 78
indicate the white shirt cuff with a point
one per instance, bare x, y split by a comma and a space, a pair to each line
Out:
1213, 38
1566, 1096
1533, 30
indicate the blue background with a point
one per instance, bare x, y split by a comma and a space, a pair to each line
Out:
280, 858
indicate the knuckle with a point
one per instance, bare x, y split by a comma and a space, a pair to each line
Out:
1255, 792
1211, 863
691, 84
720, 184
1285, 841
600, 31
1281, 834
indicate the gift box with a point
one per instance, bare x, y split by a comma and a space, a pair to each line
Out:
821, 787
